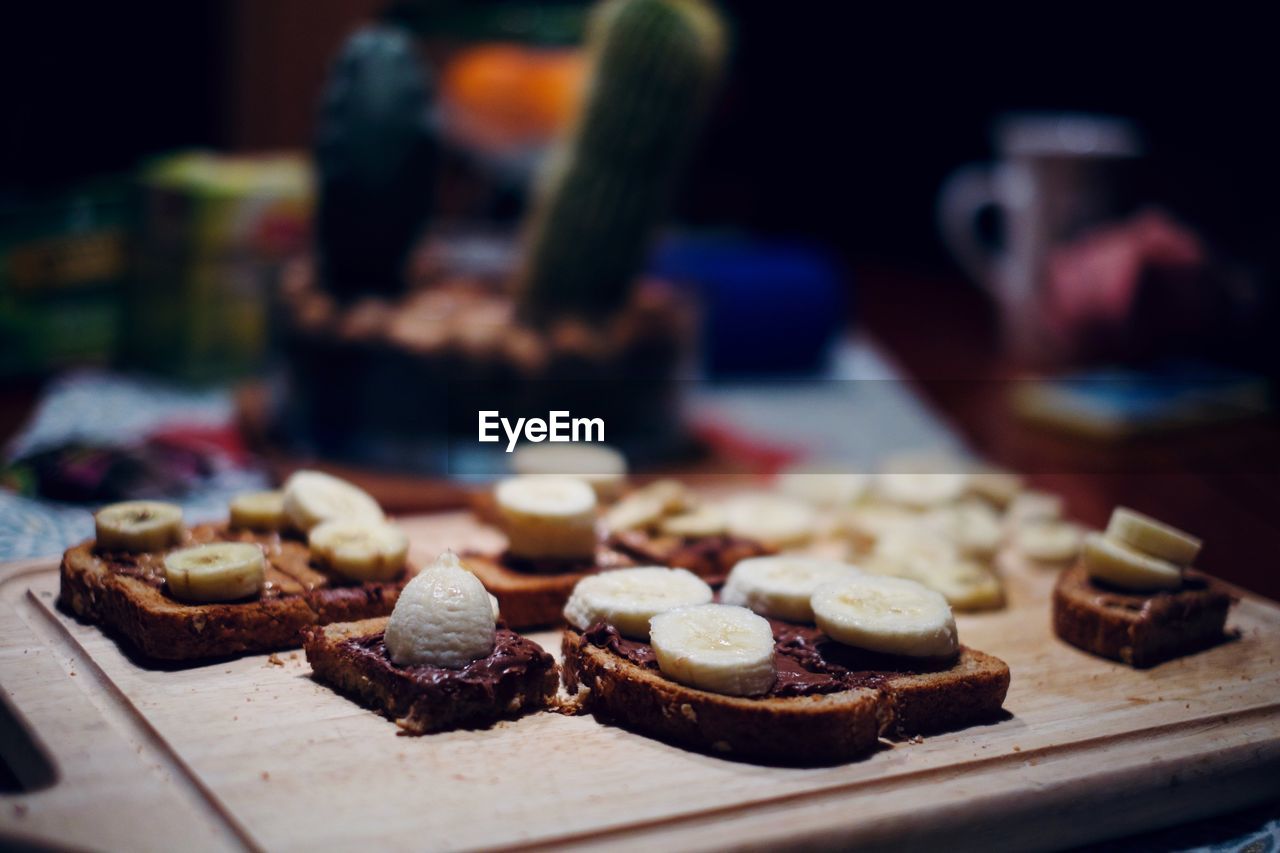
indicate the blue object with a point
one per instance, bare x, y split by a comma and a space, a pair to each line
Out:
769, 308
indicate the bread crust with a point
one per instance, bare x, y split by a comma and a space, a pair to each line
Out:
829, 728
161, 628
1141, 630
390, 692
525, 600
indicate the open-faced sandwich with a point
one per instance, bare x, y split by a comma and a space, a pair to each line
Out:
320, 551
804, 661
556, 537
442, 660
1133, 597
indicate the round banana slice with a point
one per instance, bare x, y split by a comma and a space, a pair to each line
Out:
974, 527
919, 544
1032, 506
921, 490
776, 521
1048, 541
600, 466
258, 511
823, 489
890, 615
628, 598
695, 524
218, 571
995, 486
443, 617
360, 550
965, 584
715, 647
1117, 563
138, 526
781, 586
636, 511
548, 517
1153, 537
867, 524
312, 497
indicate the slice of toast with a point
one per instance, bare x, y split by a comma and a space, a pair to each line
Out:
709, 557
825, 728
518, 677
125, 593
533, 596
1139, 629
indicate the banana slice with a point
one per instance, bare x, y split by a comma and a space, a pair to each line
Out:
965, 584
258, 511
218, 571
1032, 506
773, 520
628, 598
1117, 563
360, 550
920, 488
635, 512
823, 489
1048, 541
869, 523
1153, 537
890, 615
600, 466
312, 497
138, 526
974, 527
715, 647
781, 586
443, 617
695, 524
548, 517
997, 487
914, 545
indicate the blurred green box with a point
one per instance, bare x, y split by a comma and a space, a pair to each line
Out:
214, 231
63, 263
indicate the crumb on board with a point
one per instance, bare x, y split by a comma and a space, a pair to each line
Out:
266, 777
273, 659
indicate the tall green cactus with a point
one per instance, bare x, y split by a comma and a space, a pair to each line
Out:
376, 156
655, 66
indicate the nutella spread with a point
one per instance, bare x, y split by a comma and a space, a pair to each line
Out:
289, 567
806, 662
1196, 594
709, 557
512, 659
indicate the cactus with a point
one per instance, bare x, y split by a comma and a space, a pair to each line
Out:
376, 156
655, 66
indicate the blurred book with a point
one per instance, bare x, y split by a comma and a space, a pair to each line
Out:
214, 231
63, 261
1116, 403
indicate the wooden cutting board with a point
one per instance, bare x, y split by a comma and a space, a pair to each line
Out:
252, 753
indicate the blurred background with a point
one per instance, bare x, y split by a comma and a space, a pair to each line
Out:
235, 237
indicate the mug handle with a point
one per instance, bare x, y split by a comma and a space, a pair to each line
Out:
965, 194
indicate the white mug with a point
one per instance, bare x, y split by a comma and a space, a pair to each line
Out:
1054, 179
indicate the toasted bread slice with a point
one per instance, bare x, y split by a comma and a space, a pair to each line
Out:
531, 596
709, 557
1140, 629
126, 594
517, 678
827, 728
